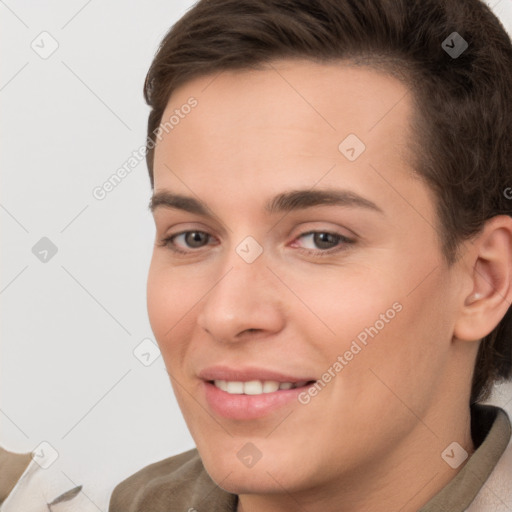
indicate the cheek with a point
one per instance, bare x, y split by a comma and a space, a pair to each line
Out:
161, 302
377, 313
342, 303
409, 356
169, 304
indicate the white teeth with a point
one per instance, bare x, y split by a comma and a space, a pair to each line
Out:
221, 384
269, 386
235, 388
254, 387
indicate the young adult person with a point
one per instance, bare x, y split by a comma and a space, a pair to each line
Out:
331, 279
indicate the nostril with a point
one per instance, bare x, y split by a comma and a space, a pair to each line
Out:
247, 331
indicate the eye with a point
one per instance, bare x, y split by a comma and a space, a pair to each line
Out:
321, 242
194, 239
180, 242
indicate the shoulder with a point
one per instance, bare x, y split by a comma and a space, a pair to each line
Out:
132, 493
496, 493
176, 483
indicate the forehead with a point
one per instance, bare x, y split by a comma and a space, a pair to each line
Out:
292, 119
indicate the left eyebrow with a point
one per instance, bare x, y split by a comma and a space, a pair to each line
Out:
300, 199
284, 202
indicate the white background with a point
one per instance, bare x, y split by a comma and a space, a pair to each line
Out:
70, 325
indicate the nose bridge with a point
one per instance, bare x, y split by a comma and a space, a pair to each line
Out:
242, 297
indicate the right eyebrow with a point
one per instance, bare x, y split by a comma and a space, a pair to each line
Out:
165, 199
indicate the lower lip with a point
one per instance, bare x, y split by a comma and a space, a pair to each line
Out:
248, 407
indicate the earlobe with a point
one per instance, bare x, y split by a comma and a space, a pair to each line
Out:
491, 296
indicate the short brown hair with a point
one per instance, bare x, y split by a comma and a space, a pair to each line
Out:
463, 136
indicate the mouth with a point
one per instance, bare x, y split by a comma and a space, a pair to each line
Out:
250, 393
257, 387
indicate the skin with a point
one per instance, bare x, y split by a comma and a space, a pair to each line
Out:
372, 438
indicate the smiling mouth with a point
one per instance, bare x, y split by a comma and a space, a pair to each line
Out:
257, 387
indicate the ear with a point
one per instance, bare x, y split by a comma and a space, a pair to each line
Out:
491, 296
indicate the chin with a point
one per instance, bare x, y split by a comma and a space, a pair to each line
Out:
245, 481
267, 475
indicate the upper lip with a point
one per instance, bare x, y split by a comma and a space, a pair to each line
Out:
249, 373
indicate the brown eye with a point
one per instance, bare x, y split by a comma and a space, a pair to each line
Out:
186, 241
325, 240
322, 240
195, 239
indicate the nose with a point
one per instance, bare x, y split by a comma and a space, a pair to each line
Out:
244, 303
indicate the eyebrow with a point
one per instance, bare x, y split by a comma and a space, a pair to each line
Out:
284, 202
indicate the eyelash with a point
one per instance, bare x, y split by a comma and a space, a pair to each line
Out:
168, 242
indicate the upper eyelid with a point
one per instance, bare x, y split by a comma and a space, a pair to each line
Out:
315, 231
204, 225
304, 233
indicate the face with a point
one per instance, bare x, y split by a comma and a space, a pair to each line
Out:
297, 289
